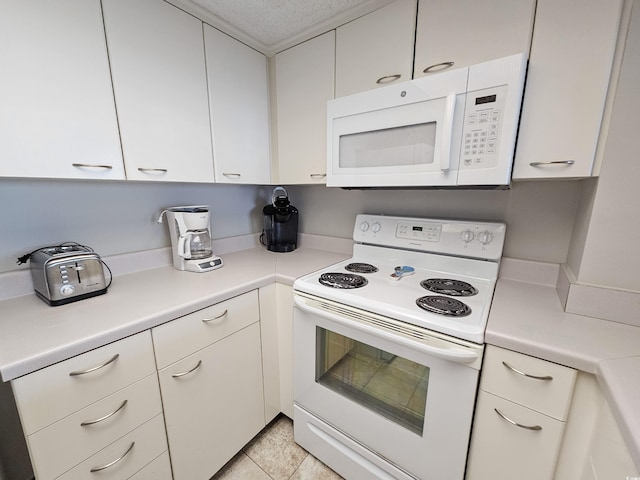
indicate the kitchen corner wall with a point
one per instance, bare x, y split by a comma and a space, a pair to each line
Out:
539, 215
120, 217
114, 217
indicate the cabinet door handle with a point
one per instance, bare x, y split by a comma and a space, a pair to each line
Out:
546, 378
557, 162
526, 427
388, 79
152, 170
108, 415
91, 165
437, 67
237, 175
178, 375
97, 367
217, 317
111, 464
318, 175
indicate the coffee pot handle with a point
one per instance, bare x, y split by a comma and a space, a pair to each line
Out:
184, 249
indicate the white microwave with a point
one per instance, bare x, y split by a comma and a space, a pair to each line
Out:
454, 128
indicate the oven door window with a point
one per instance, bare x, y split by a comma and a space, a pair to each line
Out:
387, 384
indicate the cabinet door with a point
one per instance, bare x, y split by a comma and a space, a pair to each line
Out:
377, 49
304, 84
213, 403
571, 57
159, 80
239, 109
501, 450
57, 116
465, 32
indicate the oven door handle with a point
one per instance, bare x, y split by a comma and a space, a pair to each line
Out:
453, 354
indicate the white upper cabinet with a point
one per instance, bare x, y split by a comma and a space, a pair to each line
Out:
239, 109
159, 80
376, 49
304, 83
569, 69
458, 33
57, 116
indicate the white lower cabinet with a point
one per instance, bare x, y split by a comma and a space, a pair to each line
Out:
520, 417
213, 398
105, 405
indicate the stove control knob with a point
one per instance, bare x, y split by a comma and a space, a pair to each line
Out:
467, 236
485, 237
376, 227
364, 226
66, 289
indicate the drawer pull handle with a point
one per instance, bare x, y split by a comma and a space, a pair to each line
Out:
97, 367
237, 175
108, 415
178, 375
152, 170
437, 67
91, 165
388, 79
557, 162
111, 464
318, 175
546, 378
526, 427
217, 317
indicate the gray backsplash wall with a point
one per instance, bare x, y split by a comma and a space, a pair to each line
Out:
120, 217
539, 215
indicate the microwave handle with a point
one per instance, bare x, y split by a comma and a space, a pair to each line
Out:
447, 132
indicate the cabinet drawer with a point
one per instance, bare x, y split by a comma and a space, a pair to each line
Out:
543, 386
185, 335
501, 450
52, 393
91, 429
126, 456
158, 469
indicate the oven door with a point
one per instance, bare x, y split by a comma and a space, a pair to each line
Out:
376, 398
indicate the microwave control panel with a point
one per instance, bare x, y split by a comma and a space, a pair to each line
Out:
482, 128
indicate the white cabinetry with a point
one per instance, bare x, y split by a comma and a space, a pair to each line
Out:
106, 406
239, 109
522, 407
458, 33
304, 83
211, 381
157, 63
572, 52
376, 49
57, 116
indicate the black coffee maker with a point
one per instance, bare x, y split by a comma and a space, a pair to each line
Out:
280, 223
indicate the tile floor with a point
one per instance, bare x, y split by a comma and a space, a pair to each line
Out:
273, 455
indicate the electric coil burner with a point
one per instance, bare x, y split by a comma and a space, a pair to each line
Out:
446, 286
361, 268
443, 306
342, 280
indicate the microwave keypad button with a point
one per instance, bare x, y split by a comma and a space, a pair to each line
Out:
473, 118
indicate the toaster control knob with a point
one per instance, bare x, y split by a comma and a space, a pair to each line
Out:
467, 236
67, 289
485, 237
364, 226
375, 228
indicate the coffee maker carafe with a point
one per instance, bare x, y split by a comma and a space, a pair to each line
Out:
280, 223
191, 238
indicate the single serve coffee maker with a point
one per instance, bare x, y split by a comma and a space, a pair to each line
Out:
191, 238
280, 223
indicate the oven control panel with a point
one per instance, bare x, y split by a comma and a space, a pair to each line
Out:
484, 240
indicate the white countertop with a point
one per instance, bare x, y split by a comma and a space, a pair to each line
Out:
529, 318
34, 335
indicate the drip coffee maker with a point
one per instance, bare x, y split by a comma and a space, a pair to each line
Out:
191, 238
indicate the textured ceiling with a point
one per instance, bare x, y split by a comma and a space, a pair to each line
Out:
273, 23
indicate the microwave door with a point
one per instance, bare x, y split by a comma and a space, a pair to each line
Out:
395, 146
